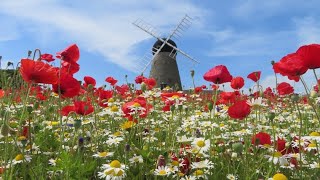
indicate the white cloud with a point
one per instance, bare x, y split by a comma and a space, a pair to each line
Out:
233, 43
99, 27
309, 78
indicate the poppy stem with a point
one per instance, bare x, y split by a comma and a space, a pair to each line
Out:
308, 96
34, 54
315, 75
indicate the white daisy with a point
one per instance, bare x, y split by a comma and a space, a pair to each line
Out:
136, 159
162, 171
20, 158
114, 170
103, 154
202, 144
202, 164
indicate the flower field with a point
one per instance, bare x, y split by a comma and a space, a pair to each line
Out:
54, 127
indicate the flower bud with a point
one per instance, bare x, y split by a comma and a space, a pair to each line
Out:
161, 161
143, 87
237, 147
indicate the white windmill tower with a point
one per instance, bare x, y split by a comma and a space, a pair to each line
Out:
162, 58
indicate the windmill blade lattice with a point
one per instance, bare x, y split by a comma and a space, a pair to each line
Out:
177, 32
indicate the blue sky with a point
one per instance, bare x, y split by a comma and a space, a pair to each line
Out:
243, 35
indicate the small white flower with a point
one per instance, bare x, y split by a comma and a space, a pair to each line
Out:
202, 164
136, 159
162, 171
103, 154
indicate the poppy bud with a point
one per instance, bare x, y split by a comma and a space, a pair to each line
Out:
143, 87
271, 115
272, 62
237, 147
172, 108
127, 147
29, 109
192, 73
5, 129
295, 97
29, 53
210, 106
77, 124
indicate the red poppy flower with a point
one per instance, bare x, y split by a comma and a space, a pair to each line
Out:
123, 89
261, 139
218, 75
1, 93
41, 97
38, 72
83, 107
254, 76
127, 108
66, 110
290, 65
89, 80
165, 96
237, 83
310, 55
150, 82
198, 89
139, 79
79, 107
68, 86
239, 110
268, 93
281, 146
47, 57
226, 98
69, 68
284, 88
111, 80
71, 54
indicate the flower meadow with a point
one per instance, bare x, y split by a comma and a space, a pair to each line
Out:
55, 127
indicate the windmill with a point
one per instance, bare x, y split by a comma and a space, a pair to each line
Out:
164, 67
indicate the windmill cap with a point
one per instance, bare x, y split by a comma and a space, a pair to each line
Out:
166, 48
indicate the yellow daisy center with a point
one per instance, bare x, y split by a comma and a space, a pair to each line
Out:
175, 163
103, 154
115, 164
118, 133
136, 105
127, 125
279, 176
198, 172
312, 145
201, 143
175, 97
54, 123
277, 154
314, 134
21, 138
162, 172
19, 157
120, 173
114, 109
111, 100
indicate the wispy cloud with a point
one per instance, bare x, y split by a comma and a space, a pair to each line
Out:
99, 27
228, 42
309, 78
